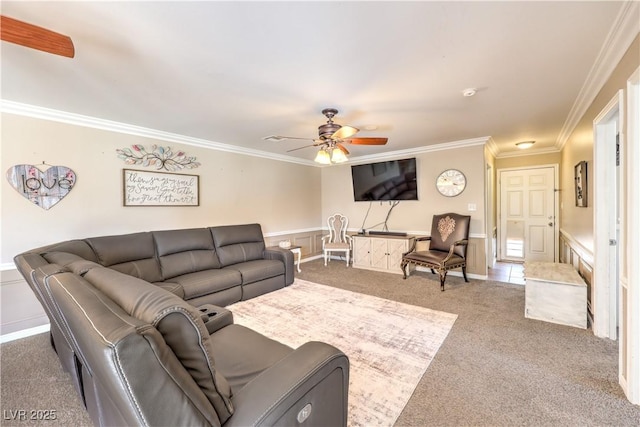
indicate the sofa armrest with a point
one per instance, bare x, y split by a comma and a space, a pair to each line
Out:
284, 255
215, 317
312, 381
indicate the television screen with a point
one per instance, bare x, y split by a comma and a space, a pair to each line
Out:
391, 180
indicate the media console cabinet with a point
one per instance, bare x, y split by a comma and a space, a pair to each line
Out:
556, 293
380, 252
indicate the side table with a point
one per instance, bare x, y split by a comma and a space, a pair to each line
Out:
297, 250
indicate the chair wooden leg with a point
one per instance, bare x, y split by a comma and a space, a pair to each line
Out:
443, 276
325, 259
403, 266
464, 273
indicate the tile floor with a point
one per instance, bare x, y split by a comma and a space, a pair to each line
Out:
509, 272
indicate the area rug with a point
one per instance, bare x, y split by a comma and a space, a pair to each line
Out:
389, 344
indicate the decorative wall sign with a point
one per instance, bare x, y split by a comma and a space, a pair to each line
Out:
159, 157
44, 189
580, 177
142, 188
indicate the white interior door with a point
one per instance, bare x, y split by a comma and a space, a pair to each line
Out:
527, 214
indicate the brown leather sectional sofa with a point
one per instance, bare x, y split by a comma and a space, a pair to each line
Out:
138, 321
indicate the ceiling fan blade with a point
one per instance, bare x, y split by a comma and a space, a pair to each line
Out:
307, 146
342, 148
368, 141
278, 138
28, 35
345, 132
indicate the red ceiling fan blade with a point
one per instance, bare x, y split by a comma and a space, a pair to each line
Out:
368, 141
345, 132
28, 35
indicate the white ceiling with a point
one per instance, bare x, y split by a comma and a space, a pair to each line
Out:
230, 73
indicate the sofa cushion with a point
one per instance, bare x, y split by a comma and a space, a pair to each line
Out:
174, 288
238, 243
146, 383
76, 247
185, 251
207, 282
70, 262
180, 325
132, 254
242, 354
260, 269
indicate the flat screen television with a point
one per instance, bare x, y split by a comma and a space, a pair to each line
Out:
390, 180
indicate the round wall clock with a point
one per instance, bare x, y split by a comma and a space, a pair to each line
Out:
451, 182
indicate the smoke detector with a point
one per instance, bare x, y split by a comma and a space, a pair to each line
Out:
469, 92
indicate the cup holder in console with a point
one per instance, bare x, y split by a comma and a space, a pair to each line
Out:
208, 312
215, 317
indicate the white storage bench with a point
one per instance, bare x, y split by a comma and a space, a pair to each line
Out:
555, 293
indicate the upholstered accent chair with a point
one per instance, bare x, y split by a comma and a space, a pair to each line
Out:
337, 240
447, 247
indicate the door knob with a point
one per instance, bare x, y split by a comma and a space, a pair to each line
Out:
550, 224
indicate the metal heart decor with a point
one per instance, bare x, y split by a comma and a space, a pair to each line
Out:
44, 189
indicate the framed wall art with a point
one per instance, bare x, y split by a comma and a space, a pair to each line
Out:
580, 177
143, 188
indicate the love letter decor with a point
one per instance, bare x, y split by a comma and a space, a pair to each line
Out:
44, 189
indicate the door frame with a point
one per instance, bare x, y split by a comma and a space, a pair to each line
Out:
556, 206
605, 260
631, 384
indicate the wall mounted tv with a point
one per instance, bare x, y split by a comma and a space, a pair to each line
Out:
390, 180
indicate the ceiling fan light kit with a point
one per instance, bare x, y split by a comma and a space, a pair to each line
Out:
338, 156
331, 137
323, 157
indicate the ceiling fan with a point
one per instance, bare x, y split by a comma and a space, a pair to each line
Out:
32, 36
331, 139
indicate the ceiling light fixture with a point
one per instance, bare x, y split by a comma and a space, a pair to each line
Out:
523, 145
323, 157
337, 156
330, 153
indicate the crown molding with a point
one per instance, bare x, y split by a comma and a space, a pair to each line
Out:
20, 109
528, 152
17, 108
493, 147
624, 30
420, 150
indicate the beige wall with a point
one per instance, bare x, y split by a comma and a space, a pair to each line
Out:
234, 188
415, 217
412, 216
578, 222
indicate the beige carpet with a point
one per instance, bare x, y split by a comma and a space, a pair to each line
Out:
389, 344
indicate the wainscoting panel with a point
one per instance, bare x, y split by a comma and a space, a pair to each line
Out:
571, 252
20, 308
310, 241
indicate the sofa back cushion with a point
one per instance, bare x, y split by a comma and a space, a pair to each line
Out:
185, 251
77, 247
238, 243
180, 325
132, 254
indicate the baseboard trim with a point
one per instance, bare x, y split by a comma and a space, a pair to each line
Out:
24, 333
